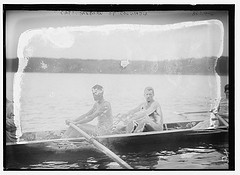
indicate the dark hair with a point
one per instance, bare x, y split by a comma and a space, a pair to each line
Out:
149, 89
97, 86
226, 88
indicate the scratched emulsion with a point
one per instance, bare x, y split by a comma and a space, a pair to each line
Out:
132, 42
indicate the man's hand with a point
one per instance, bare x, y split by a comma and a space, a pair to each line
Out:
214, 111
68, 122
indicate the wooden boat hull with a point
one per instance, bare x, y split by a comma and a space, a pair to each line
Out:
166, 140
56, 149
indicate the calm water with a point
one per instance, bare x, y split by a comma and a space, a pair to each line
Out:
47, 100
200, 157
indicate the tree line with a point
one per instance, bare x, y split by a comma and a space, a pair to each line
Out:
202, 66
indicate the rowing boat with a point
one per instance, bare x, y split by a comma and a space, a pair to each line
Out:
48, 145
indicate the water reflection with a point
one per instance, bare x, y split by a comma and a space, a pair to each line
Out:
192, 157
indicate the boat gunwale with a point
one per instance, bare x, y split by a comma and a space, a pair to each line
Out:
79, 139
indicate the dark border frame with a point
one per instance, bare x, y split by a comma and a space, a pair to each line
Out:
140, 7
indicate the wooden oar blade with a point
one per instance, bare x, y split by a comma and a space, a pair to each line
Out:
101, 147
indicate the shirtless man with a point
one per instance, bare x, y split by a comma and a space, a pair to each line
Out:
222, 109
219, 112
147, 116
10, 125
100, 110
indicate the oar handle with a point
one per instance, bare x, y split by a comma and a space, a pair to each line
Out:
222, 120
197, 112
102, 147
193, 112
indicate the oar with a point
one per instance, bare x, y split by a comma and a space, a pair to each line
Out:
102, 147
222, 120
197, 112
192, 112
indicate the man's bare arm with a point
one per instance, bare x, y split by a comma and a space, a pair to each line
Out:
135, 110
160, 118
101, 111
154, 107
85, 115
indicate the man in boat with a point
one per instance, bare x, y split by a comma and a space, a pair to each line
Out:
221, 112
217, 114
223, 105
10, 125
147, 116
100, 110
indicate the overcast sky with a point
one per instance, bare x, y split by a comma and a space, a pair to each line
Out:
138, 36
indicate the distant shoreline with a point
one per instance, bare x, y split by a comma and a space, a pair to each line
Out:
189, 66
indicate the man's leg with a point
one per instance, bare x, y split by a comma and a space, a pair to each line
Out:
89, 129
149, 125
202, 125
134, 124
131, 126
140, 127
